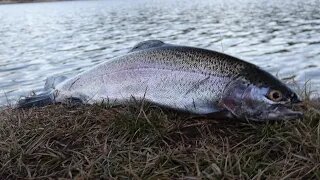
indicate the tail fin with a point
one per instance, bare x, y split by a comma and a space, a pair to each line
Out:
37, 100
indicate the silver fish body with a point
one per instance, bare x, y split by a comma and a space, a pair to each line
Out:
179, 77
173, 76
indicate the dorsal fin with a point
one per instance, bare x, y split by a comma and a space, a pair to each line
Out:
146, 45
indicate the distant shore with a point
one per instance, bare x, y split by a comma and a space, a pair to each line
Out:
26, 1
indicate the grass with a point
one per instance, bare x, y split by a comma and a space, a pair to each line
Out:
145, 141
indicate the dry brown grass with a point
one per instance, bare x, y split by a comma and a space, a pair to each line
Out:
142, 142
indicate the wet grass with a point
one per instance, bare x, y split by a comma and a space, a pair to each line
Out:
145, 141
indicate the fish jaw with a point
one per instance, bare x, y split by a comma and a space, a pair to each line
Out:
280, 112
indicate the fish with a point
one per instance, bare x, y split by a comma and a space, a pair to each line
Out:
183, 78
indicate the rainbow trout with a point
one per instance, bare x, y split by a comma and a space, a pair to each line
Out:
184, 78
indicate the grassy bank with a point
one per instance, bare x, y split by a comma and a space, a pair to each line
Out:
143, 141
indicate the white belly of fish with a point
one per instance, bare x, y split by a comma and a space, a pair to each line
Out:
183, 90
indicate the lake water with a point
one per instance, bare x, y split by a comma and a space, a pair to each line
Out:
38, 40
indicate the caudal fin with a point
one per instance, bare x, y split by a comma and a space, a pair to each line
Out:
36, 101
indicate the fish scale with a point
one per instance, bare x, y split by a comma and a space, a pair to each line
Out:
132, 74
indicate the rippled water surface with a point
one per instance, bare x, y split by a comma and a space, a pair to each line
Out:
43, 39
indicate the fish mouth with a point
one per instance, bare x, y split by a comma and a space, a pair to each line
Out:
283, 113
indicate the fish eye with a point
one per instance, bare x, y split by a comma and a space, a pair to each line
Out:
275, 95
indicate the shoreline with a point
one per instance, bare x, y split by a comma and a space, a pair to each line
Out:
3, 2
